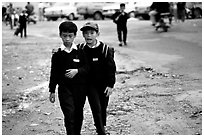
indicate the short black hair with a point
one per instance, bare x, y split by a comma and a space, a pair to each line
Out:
122, 5
68, 26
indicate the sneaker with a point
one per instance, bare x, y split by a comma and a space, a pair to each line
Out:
120, 44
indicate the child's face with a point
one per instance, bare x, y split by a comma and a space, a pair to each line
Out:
122, 8
67, 38
90, 36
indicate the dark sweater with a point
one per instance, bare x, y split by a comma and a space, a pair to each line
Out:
102, 69
160, 7
23, 19
122, 20
61, 61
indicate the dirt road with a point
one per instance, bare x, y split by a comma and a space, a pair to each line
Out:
158, 89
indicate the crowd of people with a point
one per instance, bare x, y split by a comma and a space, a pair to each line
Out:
12, 10
176, 10
18, 17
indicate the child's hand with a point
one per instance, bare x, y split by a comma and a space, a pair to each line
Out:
70, 73
52, 97
108, 91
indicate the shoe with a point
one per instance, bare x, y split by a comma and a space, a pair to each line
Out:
125, 43
153, 24
120, 44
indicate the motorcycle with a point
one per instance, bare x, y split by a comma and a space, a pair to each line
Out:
162, 23
32, 18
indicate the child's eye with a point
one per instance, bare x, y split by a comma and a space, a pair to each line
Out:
70, 36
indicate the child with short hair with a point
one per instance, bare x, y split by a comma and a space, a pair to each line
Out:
120, 18
101, 78
23, 18
69, 71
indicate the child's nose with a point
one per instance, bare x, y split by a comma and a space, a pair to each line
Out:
67, 38
88, 34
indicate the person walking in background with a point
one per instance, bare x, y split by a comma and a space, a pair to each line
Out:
120, 18
101, 78
23, 18
29, 8
174, 11
10, 13
153, 12
3, 12
40, 11
181, 10
156, 9
69, 71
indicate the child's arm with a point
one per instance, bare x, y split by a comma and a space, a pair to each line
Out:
70, 73
115, 17
53, 74
110, 69
85, 68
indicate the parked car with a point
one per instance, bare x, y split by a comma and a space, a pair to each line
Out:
109, 10
92, 9
142, 9
61, 10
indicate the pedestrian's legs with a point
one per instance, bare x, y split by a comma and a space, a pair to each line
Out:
79, 100
104, 104
125, 35
67, 106
179, 13
21, 30
183, 15
119, 35
152, 16
175, 15
25, 31
94, 101
11, 21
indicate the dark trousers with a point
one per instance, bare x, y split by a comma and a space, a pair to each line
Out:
79, 101
72, 101
23, 28
67, 105
104, 104
98, 103
122, 31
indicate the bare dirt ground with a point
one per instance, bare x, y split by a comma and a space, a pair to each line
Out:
153, 94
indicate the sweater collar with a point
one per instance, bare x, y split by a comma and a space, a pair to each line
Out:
95, 46
62, 47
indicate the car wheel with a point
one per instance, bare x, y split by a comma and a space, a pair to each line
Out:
71, 16
98, 16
